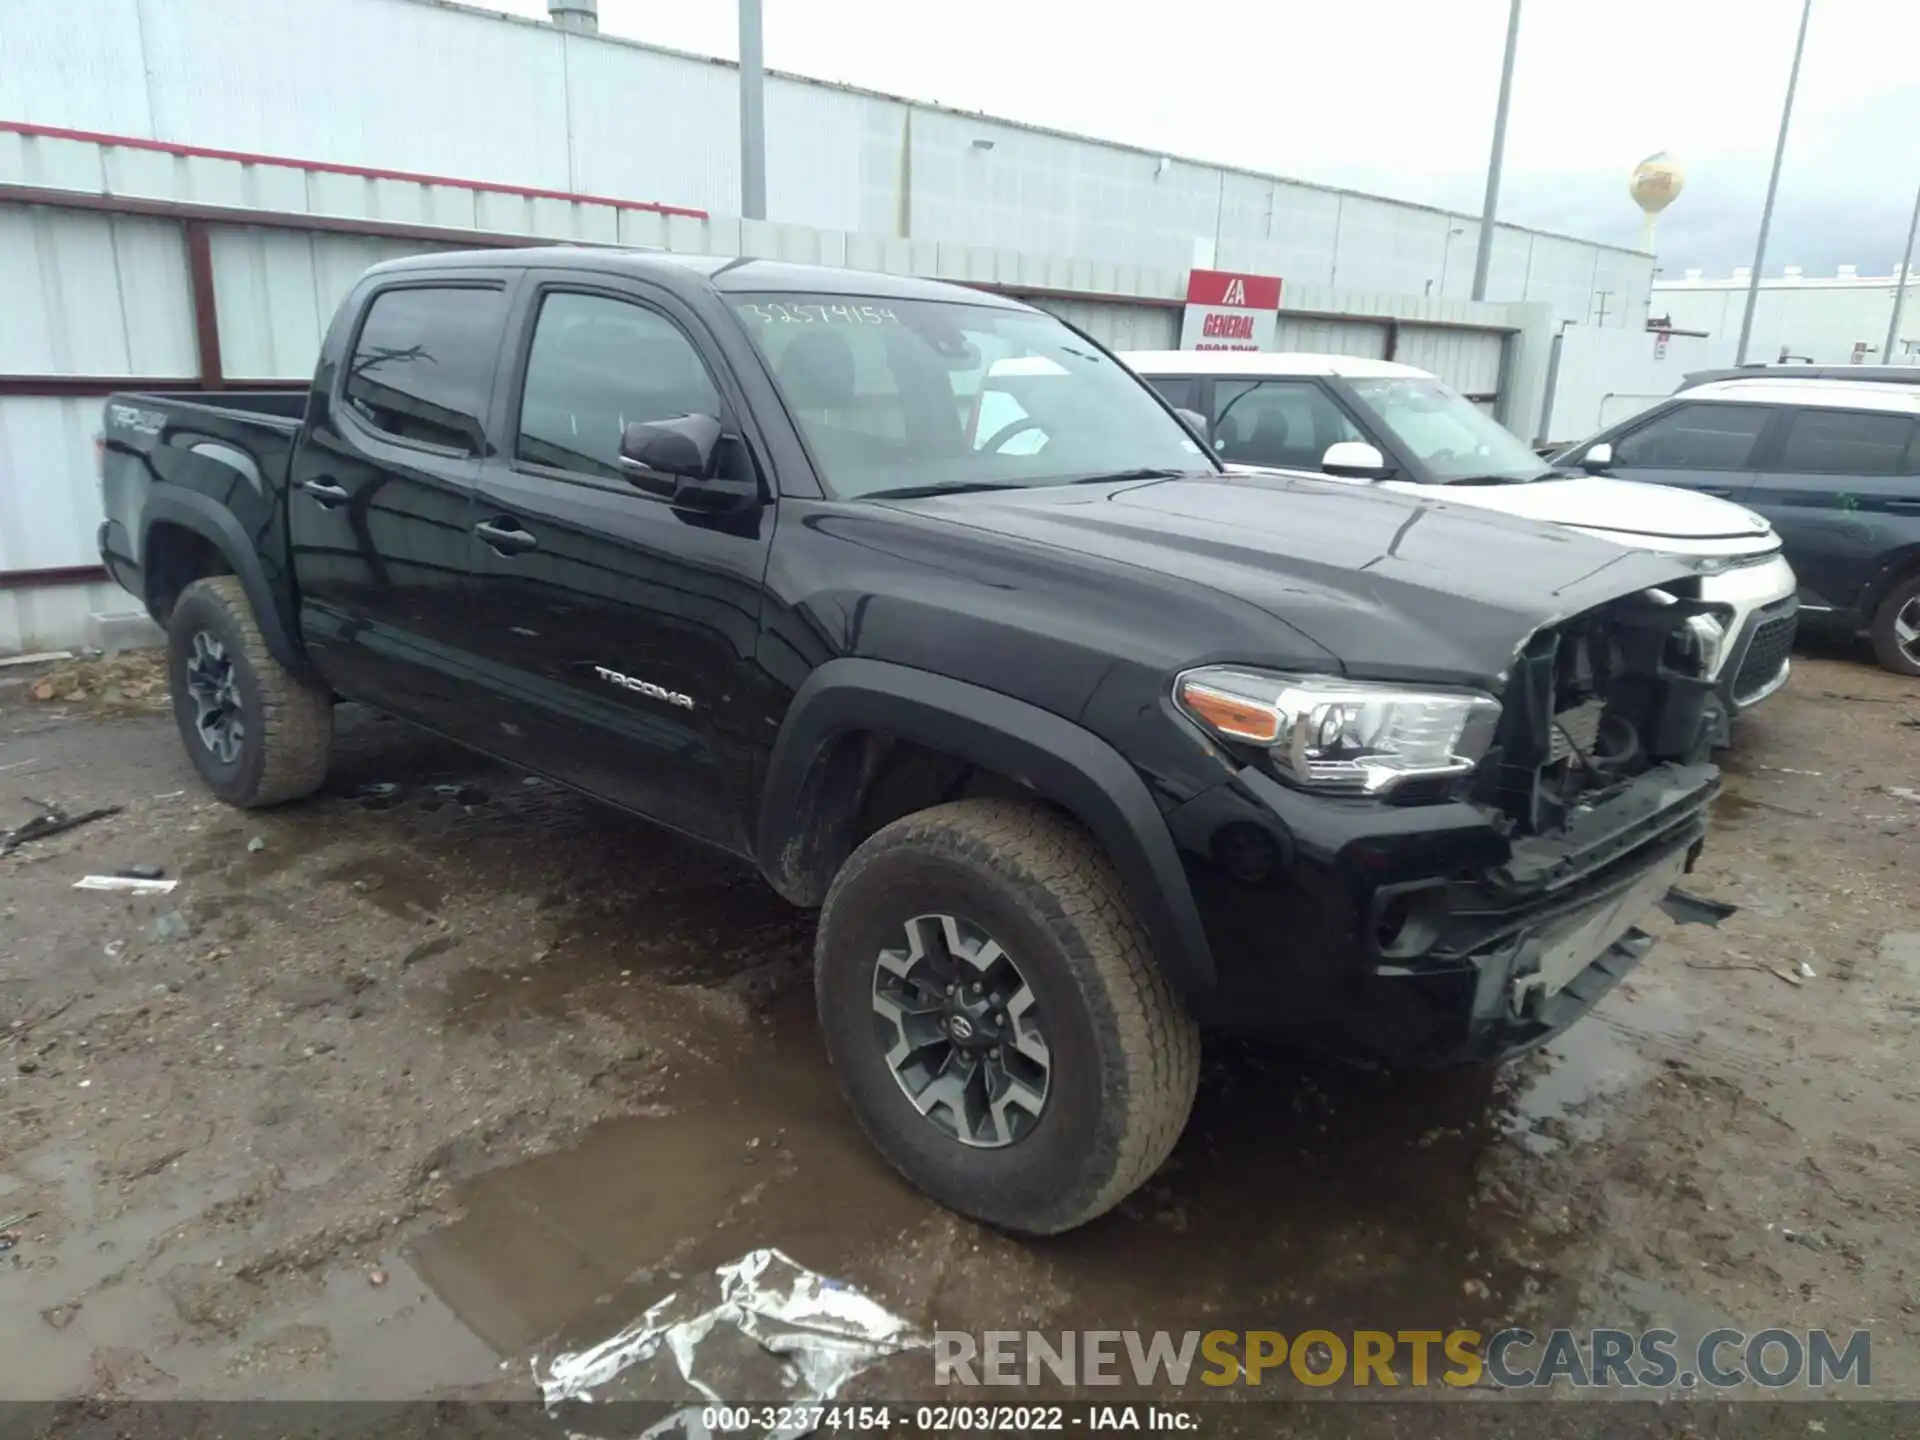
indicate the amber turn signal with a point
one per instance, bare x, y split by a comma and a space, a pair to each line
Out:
1230, 716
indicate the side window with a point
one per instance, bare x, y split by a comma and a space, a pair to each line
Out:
1850, 442
423, 362
1695, 437
1177, 391
1285, 423
598, 365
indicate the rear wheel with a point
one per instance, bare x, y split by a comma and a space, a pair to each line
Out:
995, 1018
1896, 628
255, 731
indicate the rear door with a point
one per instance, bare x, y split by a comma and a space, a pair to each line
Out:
1843, 490
1697, 445
623, 628
382, 491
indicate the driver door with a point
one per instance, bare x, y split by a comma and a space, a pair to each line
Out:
621, 627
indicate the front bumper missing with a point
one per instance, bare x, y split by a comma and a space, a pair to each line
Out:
1530, 958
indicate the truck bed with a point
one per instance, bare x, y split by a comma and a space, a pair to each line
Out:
217, 451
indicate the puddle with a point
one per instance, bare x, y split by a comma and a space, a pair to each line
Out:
1562, 1095
761, 1153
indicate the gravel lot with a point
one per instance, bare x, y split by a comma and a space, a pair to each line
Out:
402, 1088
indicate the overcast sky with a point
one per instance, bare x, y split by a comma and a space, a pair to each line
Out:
1397, 97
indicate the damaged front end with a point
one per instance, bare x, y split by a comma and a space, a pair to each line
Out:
1472, 917
1599, 780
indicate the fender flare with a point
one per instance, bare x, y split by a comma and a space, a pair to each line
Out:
801, 836
219, 527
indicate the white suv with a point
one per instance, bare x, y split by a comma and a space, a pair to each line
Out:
1374, 422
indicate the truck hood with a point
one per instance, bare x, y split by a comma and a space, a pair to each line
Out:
1628, 511
1394, 586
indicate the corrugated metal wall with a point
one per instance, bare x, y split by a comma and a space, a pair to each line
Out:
1117, 326
410, 85
1467, 360
1331, 337
92, 294
277, 290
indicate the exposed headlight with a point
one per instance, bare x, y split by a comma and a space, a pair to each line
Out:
1709, 642
1342, 736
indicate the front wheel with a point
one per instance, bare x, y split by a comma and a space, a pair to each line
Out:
1896, 628
996, 1019
257, 733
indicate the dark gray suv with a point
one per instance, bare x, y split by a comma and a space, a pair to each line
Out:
1833, 464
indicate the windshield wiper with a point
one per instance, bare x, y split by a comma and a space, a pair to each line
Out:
1113, 477
960, 487
1498, 479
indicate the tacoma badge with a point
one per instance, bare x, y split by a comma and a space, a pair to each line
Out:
644, 687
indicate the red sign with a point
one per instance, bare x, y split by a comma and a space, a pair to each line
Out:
1228, 289
1230, 311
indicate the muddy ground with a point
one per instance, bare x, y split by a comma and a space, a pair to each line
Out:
401, 1089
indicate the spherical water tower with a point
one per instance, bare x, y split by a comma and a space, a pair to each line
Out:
1656, 184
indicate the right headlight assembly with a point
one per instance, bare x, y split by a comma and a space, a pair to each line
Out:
1341, 736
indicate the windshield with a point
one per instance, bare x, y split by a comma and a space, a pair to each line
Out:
926, 395
1448, 433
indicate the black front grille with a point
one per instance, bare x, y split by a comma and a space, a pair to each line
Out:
1766, 653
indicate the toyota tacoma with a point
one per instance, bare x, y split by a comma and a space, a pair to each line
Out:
1077, 744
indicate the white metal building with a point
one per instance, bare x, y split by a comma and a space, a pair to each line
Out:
173, 211
1837, 319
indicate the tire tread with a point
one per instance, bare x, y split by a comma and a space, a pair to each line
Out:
297, 725
1057, 868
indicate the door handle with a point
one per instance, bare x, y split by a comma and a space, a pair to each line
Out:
326, 492
1720, 492
504, 541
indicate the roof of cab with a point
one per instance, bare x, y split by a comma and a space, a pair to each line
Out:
1828, 394
1265, 364
728, 274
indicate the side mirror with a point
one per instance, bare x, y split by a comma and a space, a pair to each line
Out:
1355, 460
1598, 458
1196, 422
676, 461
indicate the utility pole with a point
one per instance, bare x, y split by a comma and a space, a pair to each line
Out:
753, 115
1900, 283
1773, 185
1483, 257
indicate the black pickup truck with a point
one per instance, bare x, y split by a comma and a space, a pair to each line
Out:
918, 601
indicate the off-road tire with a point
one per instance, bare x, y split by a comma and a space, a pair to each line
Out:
1126, 1058
1886, 645
288, 722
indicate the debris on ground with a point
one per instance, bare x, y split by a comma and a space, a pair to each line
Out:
1686, 908
764, 1306
51, 820
38, 657
125, 884
256, 845
134, 683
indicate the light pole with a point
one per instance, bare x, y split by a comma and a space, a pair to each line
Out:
1773, 185
1900, 283
1483, 256
753, 115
